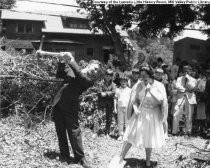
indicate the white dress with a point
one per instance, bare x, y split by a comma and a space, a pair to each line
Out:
146, 129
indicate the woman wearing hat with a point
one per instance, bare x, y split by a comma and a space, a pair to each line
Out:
146, 111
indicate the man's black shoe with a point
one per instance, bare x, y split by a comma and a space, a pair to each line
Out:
66, 159
84, 163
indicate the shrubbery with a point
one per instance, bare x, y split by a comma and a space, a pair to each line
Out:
28, 87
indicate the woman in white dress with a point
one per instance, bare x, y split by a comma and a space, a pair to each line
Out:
146, 111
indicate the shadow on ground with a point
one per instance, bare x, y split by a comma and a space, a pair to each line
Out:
55, 155
137, 163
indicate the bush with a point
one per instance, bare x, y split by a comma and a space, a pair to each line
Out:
26, 87
90, 115
27, 90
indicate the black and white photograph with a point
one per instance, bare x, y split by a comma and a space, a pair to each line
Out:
104, 84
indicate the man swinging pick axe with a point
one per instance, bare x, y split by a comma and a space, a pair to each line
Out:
66, 104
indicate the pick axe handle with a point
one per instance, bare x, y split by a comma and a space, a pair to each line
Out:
52, 54
41, 42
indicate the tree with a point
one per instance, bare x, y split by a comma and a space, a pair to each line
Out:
152, 48
7, 4
151, 20
204, 16
106, 18
155, 18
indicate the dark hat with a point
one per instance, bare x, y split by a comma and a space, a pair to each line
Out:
109, 72
136, 70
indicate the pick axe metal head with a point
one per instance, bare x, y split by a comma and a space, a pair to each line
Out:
41, 42
40, 47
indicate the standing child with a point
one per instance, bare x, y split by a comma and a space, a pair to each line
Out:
106, 98
134, 77
122, 96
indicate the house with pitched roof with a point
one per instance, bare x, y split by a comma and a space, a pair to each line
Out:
24, 30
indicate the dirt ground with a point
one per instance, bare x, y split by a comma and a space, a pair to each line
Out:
38, 148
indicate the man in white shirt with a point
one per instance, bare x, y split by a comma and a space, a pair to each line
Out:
185, 98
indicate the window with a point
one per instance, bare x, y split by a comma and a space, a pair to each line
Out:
195, 47
71, 25
57, 50
81, 26
24, 28
84, 26
90, 51
63, 50
208, 48
77, 25
20, 28
74, 25
29, 51
28, 28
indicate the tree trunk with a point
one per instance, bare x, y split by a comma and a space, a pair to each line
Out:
115, 36
118, 48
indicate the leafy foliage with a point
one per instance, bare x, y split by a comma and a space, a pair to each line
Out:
26, 87
151, 20
90, 115
7, 4
155, 18
27, 90
107, 18
153, 47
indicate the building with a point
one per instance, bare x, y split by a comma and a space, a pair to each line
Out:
24, 30
190, 49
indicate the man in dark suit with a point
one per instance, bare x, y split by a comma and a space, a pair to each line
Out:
66, 107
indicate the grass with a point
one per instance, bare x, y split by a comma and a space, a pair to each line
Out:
38, 147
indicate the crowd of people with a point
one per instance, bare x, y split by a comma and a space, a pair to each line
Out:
144, 101
187, 90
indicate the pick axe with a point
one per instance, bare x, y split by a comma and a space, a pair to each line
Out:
40, 48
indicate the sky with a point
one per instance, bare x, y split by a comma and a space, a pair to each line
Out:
32, 6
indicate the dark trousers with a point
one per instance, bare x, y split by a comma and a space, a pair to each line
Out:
107, 107
208, 111
64, 125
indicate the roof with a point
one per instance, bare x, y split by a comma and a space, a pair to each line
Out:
12, 15
69, 30
20, 44
191, 39
53, 23
58, 41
